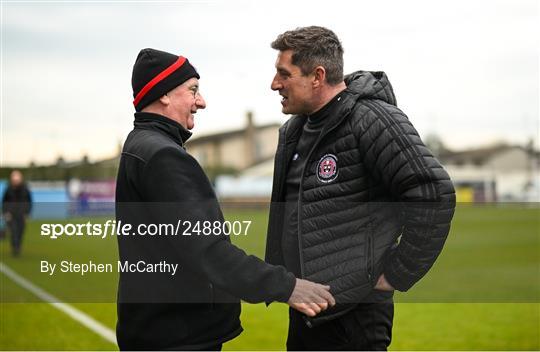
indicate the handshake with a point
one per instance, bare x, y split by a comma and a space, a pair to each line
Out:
310, 298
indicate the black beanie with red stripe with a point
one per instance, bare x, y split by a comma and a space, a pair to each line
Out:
157, 72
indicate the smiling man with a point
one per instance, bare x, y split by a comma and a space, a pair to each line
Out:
198, 306
358, 201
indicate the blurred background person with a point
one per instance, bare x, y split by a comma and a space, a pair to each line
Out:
16, 206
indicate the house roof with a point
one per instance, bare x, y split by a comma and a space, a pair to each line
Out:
481, 155
215, 137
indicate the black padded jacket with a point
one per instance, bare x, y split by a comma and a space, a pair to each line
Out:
372, 197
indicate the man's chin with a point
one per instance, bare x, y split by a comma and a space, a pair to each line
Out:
285, 110
190, 124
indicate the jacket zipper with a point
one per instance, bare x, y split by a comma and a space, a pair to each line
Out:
279, 172
369, 258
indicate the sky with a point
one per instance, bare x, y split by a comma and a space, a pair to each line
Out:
467, 71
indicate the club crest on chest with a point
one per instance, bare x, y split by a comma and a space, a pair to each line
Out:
327, 168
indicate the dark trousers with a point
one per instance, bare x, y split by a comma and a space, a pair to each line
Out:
16, 228
368, 327
217, 347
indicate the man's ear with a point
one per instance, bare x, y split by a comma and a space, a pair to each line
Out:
319, 76
165, 100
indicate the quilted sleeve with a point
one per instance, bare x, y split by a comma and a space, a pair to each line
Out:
396, 157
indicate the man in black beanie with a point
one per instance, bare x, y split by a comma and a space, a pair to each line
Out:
196, 307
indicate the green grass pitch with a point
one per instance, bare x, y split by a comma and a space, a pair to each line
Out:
482, 294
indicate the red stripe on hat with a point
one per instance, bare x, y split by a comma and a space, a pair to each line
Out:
160, 77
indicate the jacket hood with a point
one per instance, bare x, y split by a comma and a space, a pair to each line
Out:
371, 85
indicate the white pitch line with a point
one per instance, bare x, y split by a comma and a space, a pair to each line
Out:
74, 313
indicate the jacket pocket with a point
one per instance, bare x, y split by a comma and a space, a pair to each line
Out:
369, 261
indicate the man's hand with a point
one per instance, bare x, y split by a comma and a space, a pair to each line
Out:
310, 298
383, 285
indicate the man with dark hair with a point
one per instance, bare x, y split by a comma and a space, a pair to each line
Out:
16, 206
358, 201
159, 183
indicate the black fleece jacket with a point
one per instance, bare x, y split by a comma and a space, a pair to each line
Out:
159, 182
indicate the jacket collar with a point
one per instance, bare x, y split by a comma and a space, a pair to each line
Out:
293, 127
156, 122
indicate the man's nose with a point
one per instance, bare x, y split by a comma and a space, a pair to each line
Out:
201, 103
276, 85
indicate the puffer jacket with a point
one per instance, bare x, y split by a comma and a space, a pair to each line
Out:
372, 197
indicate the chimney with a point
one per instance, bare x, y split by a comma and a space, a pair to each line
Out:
250, 154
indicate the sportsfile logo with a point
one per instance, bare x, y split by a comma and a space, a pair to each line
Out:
112, 228
102, 230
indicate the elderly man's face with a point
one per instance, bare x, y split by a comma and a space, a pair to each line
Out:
184, 101
295, 88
